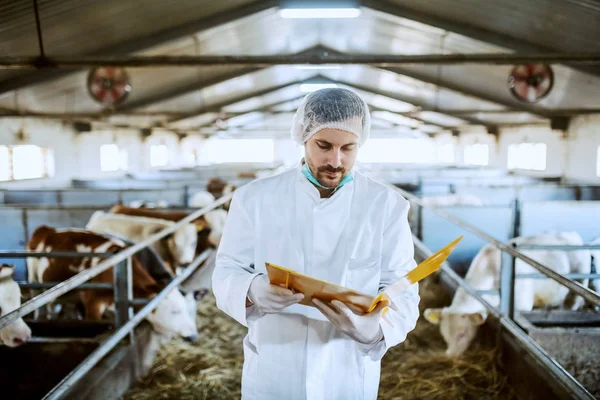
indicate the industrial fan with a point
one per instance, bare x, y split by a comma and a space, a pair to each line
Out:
531, 82
108, 86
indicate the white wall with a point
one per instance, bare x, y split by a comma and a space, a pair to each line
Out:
78, 155
52, 134
582, 149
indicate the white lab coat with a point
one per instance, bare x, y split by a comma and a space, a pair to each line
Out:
359, 238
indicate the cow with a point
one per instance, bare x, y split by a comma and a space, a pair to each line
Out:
460, 321
201, 199
170, 317
209, 227
218, 188
17, 332
176, 249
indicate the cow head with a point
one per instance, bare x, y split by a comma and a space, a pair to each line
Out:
18, 332
182, 244
171, 317
458, 329
191, 301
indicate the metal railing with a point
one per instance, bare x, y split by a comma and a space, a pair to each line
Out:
507, 275
58, 290
562, 376
124, 319
505, 313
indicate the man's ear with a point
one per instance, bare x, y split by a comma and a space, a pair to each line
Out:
477, 318
433, 315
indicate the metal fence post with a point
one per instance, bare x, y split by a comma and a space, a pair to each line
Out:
123, 292
419, 222
507, 285
186, 196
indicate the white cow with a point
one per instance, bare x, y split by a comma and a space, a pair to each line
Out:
459, 322
202, 199
177, 248
18, 332
452, 200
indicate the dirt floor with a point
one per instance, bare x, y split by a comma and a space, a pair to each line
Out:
415, 369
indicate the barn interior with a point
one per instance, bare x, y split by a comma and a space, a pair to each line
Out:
485, 115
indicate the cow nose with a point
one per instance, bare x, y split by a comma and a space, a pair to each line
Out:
191, 338
18, 341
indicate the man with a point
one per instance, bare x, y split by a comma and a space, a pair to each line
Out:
324, 220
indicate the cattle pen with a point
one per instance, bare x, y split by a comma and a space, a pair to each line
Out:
159, 160
537, 372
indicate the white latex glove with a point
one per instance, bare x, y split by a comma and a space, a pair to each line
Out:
363, 328
269, 298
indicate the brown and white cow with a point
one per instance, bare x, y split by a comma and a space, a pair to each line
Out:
18, 332
218, 188
170, 317
209, 227
176, 249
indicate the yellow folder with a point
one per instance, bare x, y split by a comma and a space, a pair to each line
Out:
326, 291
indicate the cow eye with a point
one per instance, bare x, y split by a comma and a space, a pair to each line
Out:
0, 310
176, 312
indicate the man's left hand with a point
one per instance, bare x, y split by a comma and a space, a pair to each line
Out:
364, 328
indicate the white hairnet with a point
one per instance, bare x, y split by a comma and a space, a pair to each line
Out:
331, 108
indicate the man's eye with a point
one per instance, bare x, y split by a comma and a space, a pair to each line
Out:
321, 146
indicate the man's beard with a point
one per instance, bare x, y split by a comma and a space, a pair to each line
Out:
323, 179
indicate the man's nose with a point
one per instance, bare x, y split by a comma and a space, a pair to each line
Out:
336, 159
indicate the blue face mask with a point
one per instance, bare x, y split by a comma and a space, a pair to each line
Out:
306, 172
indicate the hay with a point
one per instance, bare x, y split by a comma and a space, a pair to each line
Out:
415, 369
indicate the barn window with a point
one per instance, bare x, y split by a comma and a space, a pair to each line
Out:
380, 150
25, 162
112, 158
159, 155
527, 156
445, 153
238, 151
477, 154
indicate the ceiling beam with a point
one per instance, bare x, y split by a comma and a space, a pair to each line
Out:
218, 106
183, 90
263, 61
470, 120
148, 41
473, 32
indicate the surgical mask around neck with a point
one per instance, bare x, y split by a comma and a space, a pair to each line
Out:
308, 174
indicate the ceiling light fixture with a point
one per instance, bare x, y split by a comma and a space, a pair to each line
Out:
319, 9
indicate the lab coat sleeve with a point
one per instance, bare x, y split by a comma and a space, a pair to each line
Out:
234, 269
397, 261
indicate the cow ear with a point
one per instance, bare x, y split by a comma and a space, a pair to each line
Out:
433, 315
477, 318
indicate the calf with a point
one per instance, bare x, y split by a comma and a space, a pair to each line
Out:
459, 322
169, 317
176, 249
18, 332
201, 199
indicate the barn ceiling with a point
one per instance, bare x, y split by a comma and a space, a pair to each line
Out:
427, 97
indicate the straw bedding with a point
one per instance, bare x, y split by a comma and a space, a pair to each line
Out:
415, 369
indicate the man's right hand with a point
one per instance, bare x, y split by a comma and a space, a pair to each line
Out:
269, 298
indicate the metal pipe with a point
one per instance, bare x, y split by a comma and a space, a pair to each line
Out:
122, 280
488, 292
53, 254
64, 386
534, 349
507, 285
558, 247
576, 287
47, 285
139, 302
44, 339
71, 283
570, 276
322, 58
